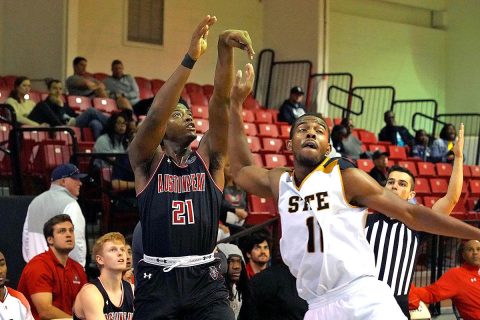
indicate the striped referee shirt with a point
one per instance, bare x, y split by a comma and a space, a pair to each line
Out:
395, 247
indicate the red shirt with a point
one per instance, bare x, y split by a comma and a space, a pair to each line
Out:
461, 284
44, 273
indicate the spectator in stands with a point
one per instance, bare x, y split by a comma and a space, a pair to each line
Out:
275, 294
421, 149
13, 304
396, 135
292, 108
51, 280
60, 198
461, 284
108, 296
379, 171
128, 273
442, 147
55, 112
352, 146
234, 203
122, 87
24, 108
82, 84
115, 138
239, 297
338, 135
257, 249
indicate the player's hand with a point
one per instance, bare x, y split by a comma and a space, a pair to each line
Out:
128, 275
198, 44
238, 39
243, 85
458, 146
241, 213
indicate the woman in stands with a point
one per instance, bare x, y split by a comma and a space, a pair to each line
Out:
25, 109
442, 147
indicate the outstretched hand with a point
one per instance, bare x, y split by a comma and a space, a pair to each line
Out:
243, 86
458, 146
238, 39
198, 45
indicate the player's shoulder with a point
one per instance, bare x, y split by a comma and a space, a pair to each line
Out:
90, 292
343, 163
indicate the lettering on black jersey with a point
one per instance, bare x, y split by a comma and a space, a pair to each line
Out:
320, 197
194, 182
119, 315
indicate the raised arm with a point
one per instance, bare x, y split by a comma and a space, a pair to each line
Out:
361, 189
217, 137
151, 132
249, 177
446, 204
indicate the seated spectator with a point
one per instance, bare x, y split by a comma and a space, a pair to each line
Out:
239, 294
234, 203
275, 294
338, 135
380, 171
442, 147
55, 112
51, 280
352, 146
108, 296
459, 284
128, 273
13, 304
122, 87
82, 84
257, 249
396, 135
23, 108
421, 149
292, 108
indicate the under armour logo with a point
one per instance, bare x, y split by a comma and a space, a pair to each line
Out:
147, 275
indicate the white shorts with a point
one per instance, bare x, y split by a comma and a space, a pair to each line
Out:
364, 298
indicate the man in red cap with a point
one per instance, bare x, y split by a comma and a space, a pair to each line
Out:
61, 198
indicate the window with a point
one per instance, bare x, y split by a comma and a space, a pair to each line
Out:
145, 21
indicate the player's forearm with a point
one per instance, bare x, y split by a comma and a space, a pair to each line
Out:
224, 71
52, 312
238, 150
456, 180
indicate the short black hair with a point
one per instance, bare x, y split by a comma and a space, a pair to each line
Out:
404, 170
311, 114
256, 237
77, 60
51, 82
48, 226
115, 62
443, 132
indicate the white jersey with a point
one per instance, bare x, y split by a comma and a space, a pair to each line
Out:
323, 240
15, 306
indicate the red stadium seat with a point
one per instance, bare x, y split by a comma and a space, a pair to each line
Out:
365, 164
272, 145
429, 201
250, 129
443, 169
248, 115
145, 93
263, 116
466, 171
410, 165
439, 185
426, 169
329, 122
475, 170
397, 153
258, 217
254, 144
201, 125
422, 186
257, 159
197, 97
475, 187
4, 131
4, 95
337, 121
79, 103
275, 160
251, 103
9, 81
208, 90
48, 157
268, 130
194, 87
156, 85
471, 202
284, 131
419, 200
460, 207
375, 147
199, 111
258, 204
67, 137
87, 134
106, 105
143, 83
367, 137
100, 76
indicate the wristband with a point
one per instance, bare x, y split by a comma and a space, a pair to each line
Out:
188, 62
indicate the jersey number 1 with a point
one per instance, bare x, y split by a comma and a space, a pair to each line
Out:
182, 212
311, 235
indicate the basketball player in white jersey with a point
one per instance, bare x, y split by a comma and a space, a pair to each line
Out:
322, 208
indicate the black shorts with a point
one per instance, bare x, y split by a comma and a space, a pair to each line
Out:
197, 292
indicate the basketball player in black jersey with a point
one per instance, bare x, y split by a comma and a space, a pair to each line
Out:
180, 191
108, 296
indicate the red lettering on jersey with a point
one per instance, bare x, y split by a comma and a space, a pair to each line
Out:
201, 181
194, 182
160, 183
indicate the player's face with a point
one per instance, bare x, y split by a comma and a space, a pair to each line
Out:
471, 253
260, 253
400, 183
3, 270
129, 255
234, 268
113, 256
310, 141
180, 125
63, 237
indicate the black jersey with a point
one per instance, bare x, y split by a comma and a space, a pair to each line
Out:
179, 209
111, 311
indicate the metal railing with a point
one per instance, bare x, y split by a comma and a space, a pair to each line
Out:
331, 102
